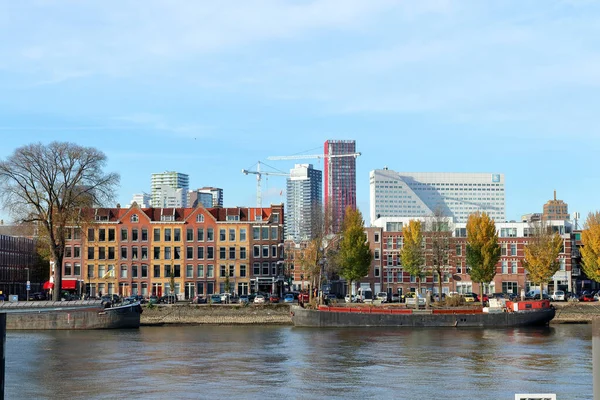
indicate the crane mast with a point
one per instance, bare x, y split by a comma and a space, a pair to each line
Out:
259, 175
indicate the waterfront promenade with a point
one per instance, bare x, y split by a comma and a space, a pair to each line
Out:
279, 314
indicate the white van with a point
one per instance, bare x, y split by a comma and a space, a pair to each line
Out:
365, 295
533, 293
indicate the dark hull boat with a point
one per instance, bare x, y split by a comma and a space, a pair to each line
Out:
527, 313
70, 315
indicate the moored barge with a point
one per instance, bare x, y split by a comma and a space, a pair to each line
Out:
509, 314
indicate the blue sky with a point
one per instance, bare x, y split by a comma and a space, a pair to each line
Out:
210, 88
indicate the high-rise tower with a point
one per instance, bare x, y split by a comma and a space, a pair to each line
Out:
304, 202
165, 191
340, 180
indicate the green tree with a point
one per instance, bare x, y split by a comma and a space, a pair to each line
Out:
541, 253
354, 255
48, 185
590, 252
412, 253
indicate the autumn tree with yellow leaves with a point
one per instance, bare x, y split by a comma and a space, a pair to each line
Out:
483, 251
412, 254
590, 252
541, 253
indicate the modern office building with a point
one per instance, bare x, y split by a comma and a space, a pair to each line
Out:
304, 202
170, 179
456, 195
142, 200
340, 179
216, 193
196, 198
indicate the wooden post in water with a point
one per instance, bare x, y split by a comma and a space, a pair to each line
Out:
2, 348
596, 356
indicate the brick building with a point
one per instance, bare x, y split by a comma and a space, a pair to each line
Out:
137, 250
386, 273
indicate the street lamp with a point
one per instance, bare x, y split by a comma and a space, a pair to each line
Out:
28, 284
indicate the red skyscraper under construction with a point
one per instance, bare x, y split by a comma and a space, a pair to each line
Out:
340, 179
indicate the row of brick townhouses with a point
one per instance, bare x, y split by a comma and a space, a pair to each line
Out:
386, 273
136, 250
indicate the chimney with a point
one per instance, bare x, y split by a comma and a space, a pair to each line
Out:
555, 195
118, 205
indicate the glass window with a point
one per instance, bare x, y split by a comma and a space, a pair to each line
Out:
256, 269
157, 253
210, 271
274, 233
210, 252
144, 253
102, 235
156, 271
123, 253
101, 253
123, 271
134, 253
256, 233
242, 234
189, 252
68, 253
200, 270
156, 235
243, 253
111, 253
90, 253
167, 253
189, 235
232, 253
242, 270
91, 235
134, 235
222, 251
232, 235
256, 251
111, 235
264, 233
144, 235
76, 251
265, 251
167, 234
123, 234
273, 251
144, 271
222, 235
189, 271
134, 218
210, 234
199, 218
200, 253
177, 251
200, 234
177, 235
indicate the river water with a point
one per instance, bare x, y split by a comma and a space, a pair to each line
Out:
282, 362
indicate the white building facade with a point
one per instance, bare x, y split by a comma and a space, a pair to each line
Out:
304, 202
161, 184
142, 200
456, 195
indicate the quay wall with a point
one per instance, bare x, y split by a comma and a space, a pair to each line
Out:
279, 314
217, 314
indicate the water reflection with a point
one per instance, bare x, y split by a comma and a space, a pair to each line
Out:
281, 362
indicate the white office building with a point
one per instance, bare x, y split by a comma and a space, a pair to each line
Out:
161, 193
142, 200
420, 194
304, 202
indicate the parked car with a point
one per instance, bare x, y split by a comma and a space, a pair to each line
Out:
259, 299
414, 299
168, 299
288, 298
153, 299
38, 296
471, 297
382, 296
587, 297
350, 298
558, 295
274, 298
244, 299
215, 299
303, 297
331, 298
198, 299
395, 298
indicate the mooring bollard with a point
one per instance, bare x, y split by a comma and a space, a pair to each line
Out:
596, 356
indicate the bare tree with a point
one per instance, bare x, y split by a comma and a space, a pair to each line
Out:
438, 254
49, 185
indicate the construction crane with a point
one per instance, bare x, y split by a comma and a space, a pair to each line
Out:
305, 156
259, 175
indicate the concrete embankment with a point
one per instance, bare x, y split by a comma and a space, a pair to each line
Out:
218, 314
575, 313
279, 314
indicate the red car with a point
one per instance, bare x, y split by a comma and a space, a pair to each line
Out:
586, 297
274, 298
